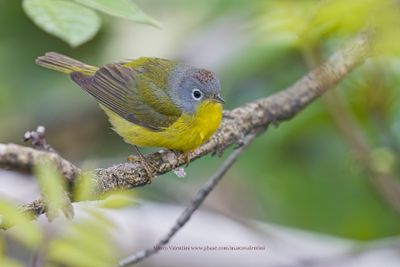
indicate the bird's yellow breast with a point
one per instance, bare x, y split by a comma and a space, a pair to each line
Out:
186, 133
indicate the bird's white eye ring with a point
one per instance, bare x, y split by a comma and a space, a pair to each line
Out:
197, 94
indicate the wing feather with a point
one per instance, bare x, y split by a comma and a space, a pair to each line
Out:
131, 96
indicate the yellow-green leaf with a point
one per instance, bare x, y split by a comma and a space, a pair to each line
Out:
85, 188
121, 8
73, 23
383, 160
118, 200
63, 251
26, 231
86, 243
8, 262
52, 187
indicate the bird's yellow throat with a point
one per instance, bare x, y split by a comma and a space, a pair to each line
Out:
185, 134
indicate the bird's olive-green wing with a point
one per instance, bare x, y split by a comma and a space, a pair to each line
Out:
134, 97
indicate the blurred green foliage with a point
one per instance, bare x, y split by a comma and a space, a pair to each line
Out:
27, 233
308, 176
53, 187
74, 23
82, 243
302, 173
86, 243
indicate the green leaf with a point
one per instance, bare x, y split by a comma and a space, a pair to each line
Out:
53, 186
85, 243
73, 23
9, 262
121, 8
85, 189
383, 160
63, 251
24, 230
117, 200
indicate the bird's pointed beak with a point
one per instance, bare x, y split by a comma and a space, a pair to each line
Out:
219, 99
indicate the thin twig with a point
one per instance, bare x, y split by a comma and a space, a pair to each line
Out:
193, 206
38, 139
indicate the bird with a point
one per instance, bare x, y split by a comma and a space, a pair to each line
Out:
149, 101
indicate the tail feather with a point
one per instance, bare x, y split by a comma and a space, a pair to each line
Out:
61, 63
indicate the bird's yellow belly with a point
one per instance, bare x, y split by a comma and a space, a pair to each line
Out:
186, 133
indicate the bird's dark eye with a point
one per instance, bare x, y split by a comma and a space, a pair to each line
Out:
197, 94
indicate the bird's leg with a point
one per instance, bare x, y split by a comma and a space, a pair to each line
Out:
186, 158
150, 169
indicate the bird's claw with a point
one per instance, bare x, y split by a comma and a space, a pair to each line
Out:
150, 169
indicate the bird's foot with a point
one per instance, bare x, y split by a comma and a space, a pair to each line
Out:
150, 169
186, 158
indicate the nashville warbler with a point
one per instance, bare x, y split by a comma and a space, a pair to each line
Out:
150, 102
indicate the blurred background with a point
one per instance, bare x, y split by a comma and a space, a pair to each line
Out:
307, 173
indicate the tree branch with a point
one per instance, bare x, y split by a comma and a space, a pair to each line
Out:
23, 159
236, 125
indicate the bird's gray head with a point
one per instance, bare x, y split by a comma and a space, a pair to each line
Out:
191, 86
